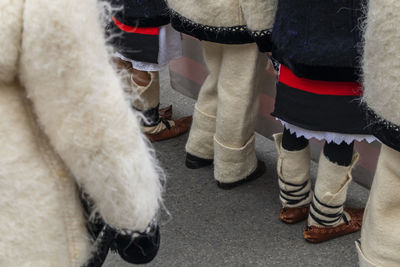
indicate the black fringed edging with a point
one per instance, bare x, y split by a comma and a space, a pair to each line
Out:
224, 35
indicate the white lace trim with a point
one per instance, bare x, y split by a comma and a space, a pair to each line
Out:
170, 48
337, 138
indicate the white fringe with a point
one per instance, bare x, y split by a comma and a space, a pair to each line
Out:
329, 137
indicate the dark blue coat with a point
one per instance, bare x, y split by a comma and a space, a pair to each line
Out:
142, 13
319, 39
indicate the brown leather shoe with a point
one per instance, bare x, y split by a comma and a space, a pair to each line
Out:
318, 234
181, 126
294, 215
165, 113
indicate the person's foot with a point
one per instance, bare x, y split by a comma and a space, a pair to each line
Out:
172, 129
193, 162
318, 234
294, 215
165, 113
258, 172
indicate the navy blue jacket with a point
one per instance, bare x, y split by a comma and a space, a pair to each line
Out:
319, 40
142, 13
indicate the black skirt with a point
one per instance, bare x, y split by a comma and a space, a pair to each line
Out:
320, 106
135, 43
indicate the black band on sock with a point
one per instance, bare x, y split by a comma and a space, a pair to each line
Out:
329, 215
340, 154
292, 194
291, 142
291, 184
315, 213
325, 223
294, 202
325, 205
152, 118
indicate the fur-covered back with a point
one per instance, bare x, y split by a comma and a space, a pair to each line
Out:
64, 121
381, 64
10, 31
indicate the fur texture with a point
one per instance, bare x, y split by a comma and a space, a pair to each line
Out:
64, 122
11, 13
380, 64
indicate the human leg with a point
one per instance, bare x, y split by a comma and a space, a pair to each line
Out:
238, 100
200, 144
293, 169
328, 218
143, 89
380, 235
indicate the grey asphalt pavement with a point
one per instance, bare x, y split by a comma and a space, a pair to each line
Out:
208, 226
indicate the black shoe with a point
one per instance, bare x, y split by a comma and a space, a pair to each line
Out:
140, 249
193, 162
258, 172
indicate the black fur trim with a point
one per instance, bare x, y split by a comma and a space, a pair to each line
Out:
224, 35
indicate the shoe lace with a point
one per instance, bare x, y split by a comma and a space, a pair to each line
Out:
166, 123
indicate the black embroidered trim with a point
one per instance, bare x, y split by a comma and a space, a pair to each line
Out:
263, 39
239, 34
387, 132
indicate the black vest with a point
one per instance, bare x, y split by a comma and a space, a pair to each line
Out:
319, 39
142, 13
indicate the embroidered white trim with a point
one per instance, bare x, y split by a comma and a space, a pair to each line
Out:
337, 138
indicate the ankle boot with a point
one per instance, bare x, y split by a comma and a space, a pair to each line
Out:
328, 218
294, 182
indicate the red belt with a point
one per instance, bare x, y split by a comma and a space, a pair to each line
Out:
319, 87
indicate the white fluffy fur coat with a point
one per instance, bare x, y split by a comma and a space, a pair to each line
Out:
258, 15
64, 121
381, 59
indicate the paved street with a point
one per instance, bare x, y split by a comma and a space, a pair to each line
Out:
207, 226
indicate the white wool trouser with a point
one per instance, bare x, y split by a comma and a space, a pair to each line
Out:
226, 110
330, 192
146, 97
293, 168
380, 233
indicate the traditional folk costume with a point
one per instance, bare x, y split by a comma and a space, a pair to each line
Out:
380, 235
316, 43
63, 129
226, 109
145, 42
